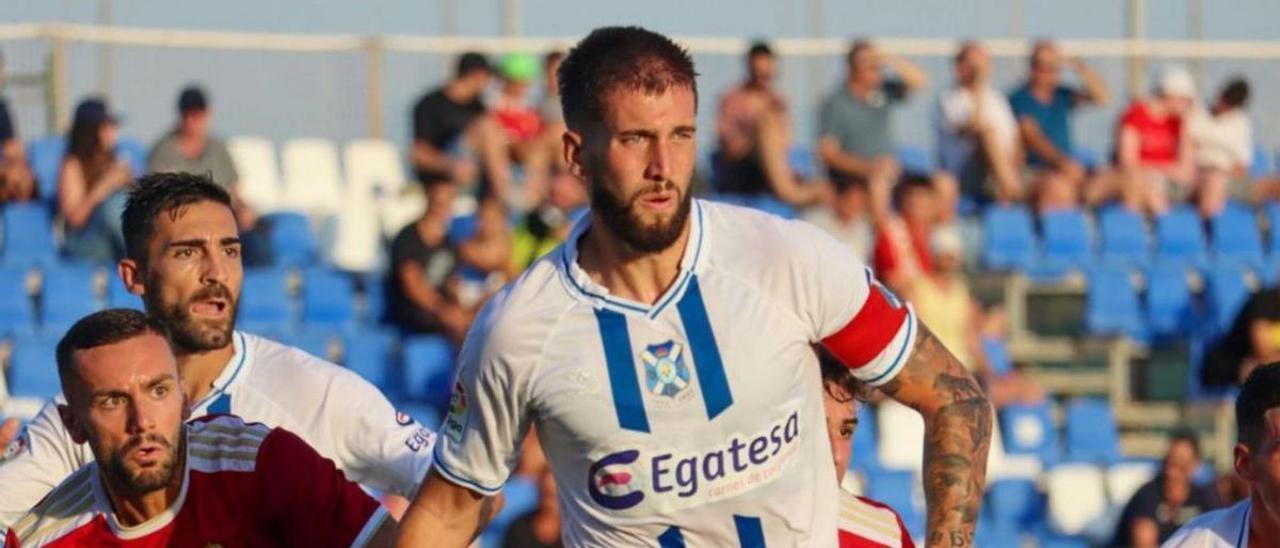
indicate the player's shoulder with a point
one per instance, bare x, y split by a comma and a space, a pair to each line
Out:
1222, 527
521, 315
286, 369
745, 240
224, 443
68, 507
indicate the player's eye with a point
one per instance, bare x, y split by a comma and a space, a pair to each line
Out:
232, 252
159, 391
184, 253
111, 402
846, 433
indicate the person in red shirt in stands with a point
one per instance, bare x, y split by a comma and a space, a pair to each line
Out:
1154, 158
901, 251
159, 481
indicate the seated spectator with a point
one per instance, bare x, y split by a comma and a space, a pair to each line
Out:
848, 218
1223, 143
1173, 498
518, 118
1253, 339
17, 184
91, 186
1043, 107
754, 132
484, 259
977, 136
1153, 157
454, 137
855, 135
541, 527
547, 225
547, 159
421, 264
901, 251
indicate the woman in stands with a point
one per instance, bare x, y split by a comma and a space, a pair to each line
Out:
91, 184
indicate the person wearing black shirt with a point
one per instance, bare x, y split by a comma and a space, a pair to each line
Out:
422, 262
1169, 500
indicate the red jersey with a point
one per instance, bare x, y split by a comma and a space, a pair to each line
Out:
1158, 138
865, 523
244, 485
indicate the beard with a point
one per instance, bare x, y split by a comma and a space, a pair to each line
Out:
140, 481
190, 334
622, 218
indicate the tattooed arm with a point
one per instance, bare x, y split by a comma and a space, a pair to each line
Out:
957, 429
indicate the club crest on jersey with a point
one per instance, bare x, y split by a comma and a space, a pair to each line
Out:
456, 421
665, 372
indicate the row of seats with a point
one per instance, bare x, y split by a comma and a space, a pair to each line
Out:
1168, 308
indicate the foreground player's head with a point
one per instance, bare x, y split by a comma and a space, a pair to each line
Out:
1257, 451
630, 101
182, 255
123, 398
840, 394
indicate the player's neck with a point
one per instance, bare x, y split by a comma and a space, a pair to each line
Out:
199, 369
1264, 525
626, 273
134, 510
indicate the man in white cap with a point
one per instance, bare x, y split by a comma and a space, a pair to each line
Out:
1154, 159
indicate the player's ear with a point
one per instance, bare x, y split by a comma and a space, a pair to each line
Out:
71, 423
130, 273
1243, 462
573, 153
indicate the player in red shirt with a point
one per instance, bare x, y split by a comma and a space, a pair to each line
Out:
864, 523
156, 481
1151, 152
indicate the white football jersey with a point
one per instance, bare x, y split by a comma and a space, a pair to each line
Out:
697, 421
342, 416
1224, 528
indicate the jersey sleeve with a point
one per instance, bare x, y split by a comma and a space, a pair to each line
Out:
307, 499
855, 317
39, 459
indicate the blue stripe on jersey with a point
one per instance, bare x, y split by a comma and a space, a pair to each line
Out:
671, 538
220, 405
706, 354
750, 532
627, 402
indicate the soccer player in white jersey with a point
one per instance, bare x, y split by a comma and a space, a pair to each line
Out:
664, 352
1254, 521
183, 258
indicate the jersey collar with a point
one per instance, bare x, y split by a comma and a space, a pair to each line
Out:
152, 525
233, 371
581, 285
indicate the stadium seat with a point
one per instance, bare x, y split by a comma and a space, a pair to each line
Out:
803, 162
290, 239
1111, 304
28, 236
67, 294
1272, 211
259, 184
45, 155
1091, 435
328, 299
997, 354
1014, 504
1225, 292
1169, 302
1008, 238
865, 441
1180, 239
901, 436
265, 305
373, 290
428, 369
1077, 498
1237, 238
1066, 240
120, 297
369, 354
374, 170
915, 160
34, 366
312, 178
1261, 166
17, 312
358, 240
134, 153
1124, 238
1029, 430
1125, 478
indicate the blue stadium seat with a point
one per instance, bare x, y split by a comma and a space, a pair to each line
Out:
1015, 504
1180, 239
1091, 435
1125, 240
34, 366
865, 453
462, 228
1028, 430
28, 236
1066, 241
1168, 303
66, 295
134, 153
1008, 238
428, 369
803, 162
1224, 293
1272, 211
374, 289
16, 309
997, 355
915, 160
1237, 238
45, 155
120, 297
290, 239
328, 299
1261, 165
369, 354
265, 305
1111, 304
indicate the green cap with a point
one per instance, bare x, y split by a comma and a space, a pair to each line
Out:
520, 67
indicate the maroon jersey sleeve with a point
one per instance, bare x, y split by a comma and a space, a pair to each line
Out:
306, 498
11, 539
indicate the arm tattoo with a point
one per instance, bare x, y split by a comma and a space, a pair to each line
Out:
958, 421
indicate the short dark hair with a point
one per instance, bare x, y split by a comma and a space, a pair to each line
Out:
100, 329
552, 57
836, 375
1236, 93
192, 99
620, 57
910, 183
470, 62
1038, 46
858, 46
1183, 435
965, 47
759, 47
1260, 392
160, 192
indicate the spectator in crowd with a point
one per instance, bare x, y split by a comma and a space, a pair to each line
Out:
754, 133
512, 109
454, 137
1169, 500
484, 258
1253, 339
1153, 157
1043, 107
855, 135
977, 135
541, 527
190, 147
848, 217
91, 185
16, 181
540, 168
901, 251
547, 225
421, 264
1222, 138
